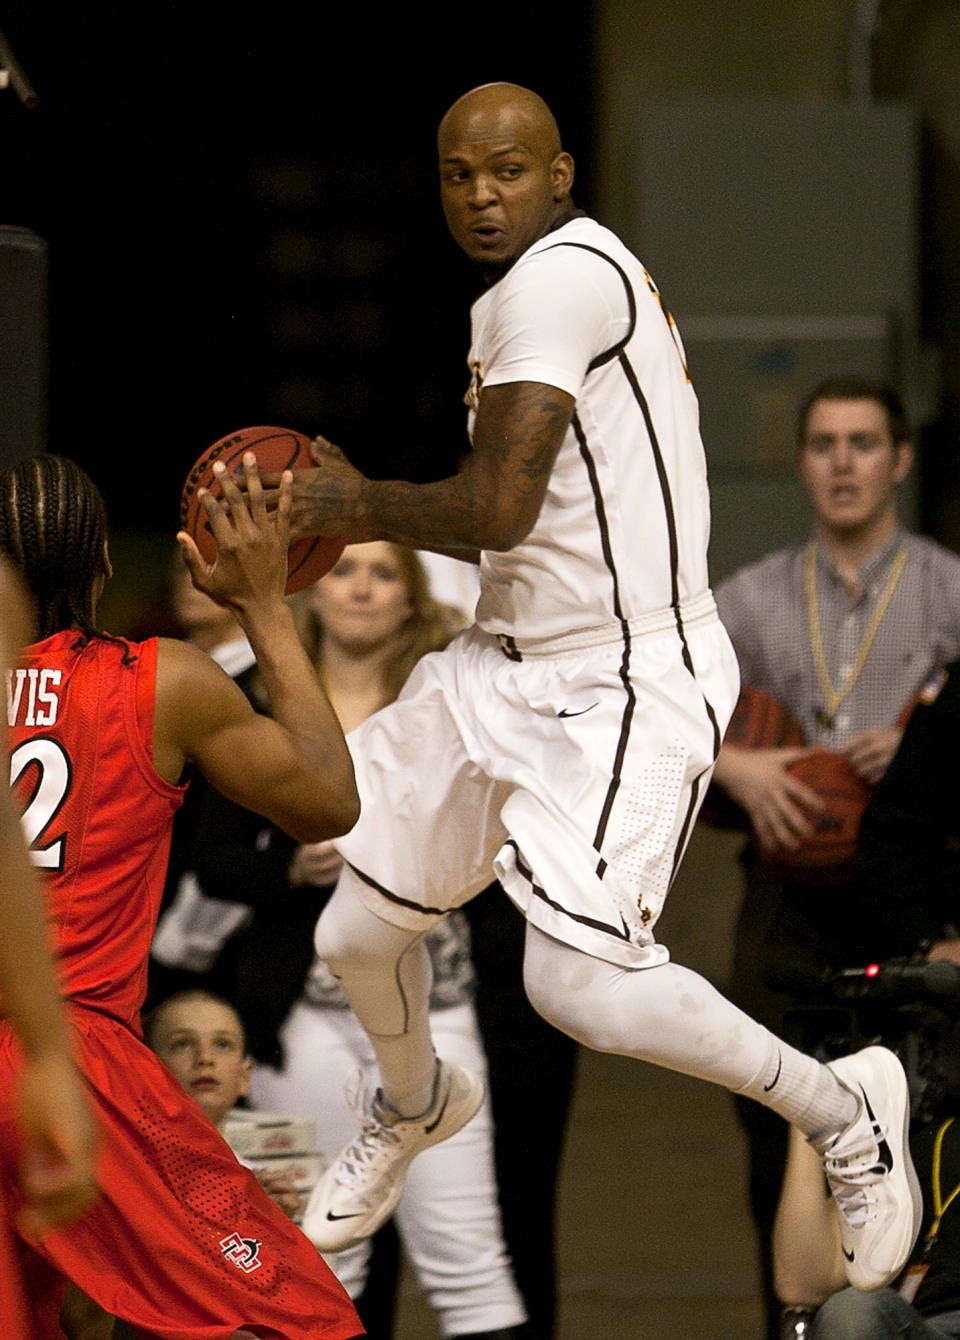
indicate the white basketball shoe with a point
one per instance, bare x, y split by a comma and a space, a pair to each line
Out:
870, 1171
360, 1189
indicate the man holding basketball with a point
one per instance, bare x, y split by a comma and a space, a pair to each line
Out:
843, 631
183, 1241
566, 740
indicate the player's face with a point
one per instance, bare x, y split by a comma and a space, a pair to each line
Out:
363, 601
201, 1043
851, 465
500, 194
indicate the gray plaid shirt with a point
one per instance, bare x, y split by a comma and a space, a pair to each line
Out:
764, 608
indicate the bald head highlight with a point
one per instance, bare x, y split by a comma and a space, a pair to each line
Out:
494, 111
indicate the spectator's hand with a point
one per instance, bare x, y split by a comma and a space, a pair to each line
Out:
781, 809
870, 753
278, 1184
317, 863
57, 1146
945, 951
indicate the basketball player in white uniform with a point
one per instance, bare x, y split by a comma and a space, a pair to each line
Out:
565, 742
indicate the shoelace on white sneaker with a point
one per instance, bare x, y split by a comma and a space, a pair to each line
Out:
370, 1145
852, 1177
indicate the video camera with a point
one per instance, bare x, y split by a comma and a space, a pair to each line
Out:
908, 1005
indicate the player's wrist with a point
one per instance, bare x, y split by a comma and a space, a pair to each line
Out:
264, 614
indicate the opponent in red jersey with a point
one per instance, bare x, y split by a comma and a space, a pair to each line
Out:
184, 1243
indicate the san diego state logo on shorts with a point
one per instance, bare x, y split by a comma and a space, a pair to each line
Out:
244, 1253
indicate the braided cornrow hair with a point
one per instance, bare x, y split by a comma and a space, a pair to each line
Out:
53, 524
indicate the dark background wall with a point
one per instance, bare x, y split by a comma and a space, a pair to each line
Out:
814, 52
243, 224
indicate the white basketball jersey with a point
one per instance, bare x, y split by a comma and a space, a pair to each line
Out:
622, 535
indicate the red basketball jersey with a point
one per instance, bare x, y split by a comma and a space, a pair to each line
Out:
96, 815
183, 1243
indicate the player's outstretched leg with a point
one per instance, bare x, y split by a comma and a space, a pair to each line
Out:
855, 1110
360, 1189
870, 1171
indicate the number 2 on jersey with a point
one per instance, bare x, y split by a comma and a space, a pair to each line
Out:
51, 788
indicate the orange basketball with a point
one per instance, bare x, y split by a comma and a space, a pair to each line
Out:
276, 449
845, 797
761, 721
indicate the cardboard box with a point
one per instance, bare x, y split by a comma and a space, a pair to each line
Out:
253, 1135
305, 1169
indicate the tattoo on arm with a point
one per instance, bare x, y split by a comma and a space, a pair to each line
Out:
541, 422
494, 499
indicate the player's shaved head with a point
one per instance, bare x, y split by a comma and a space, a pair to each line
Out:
495, 111
504, 178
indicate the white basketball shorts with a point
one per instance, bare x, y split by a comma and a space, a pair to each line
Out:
572, 774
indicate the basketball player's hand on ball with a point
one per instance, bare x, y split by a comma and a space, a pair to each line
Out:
780, 807
250, 566
325, 500
870, 753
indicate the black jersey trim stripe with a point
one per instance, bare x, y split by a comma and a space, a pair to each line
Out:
666, 496
624, 672
621, 933
395, 897
609, 354
694, 798
684, 834
671, 519
618, 351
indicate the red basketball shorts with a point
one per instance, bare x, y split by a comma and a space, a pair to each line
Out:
183, 1244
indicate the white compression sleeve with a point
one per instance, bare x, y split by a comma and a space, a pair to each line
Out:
674, 1018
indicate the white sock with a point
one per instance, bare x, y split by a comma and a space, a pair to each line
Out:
802, 1090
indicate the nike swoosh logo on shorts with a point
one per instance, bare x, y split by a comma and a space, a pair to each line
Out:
848, 1255
331, 1216
564, 713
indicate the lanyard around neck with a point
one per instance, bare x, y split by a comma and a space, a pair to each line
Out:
834, 697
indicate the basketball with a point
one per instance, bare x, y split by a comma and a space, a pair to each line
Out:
276, 449
761, 721
845, 796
